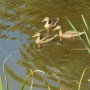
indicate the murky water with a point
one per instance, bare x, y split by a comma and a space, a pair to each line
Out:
19, 20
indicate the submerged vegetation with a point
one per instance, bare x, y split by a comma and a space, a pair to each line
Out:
87, 33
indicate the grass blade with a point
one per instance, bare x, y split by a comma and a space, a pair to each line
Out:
31, 81
24, 83
4, 72
49, 87
85, 23
88, 40
82, 78
0, 84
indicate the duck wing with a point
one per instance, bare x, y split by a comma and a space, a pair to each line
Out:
54, 22
46, 37
51, 38
73, 33
80, 33
70, 32
44, 40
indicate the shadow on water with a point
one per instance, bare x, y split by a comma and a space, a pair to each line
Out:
19, 20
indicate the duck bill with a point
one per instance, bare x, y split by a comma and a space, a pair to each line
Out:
57, 19
55, 29
43, 20
33, 36
36, 35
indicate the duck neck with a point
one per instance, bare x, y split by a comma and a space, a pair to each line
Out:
60, 33
39, 37
47, 22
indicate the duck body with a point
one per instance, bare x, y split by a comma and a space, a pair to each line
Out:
73, 33
50, 23
42, 40
68, 34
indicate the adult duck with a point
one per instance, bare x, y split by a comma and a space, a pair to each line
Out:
42, 40
68, 34
50, 23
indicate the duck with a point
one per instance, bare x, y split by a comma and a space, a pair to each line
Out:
68, 34
42, 39
50, 23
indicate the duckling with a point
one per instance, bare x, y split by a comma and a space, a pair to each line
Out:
50, 23
42, 40
67, 34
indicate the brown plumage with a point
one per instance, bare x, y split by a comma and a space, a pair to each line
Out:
42, 40
50, 23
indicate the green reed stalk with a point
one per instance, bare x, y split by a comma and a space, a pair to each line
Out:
0, 84
85, 23
87, 37
24, 83
82, 78
87, 28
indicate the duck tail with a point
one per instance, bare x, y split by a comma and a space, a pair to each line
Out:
55, 35
82, 33
50, 39
57, 20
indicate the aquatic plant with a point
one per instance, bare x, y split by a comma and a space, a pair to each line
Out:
32, 82
87, 31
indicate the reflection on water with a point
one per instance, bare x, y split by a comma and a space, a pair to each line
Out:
19, 20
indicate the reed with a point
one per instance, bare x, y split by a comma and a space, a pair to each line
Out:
79, 86
88, 30
86, 34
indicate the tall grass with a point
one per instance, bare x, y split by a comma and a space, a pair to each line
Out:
87, 31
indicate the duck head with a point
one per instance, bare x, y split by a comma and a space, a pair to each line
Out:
45, 19
58, 27
37, 35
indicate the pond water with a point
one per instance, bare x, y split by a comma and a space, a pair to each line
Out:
19, 20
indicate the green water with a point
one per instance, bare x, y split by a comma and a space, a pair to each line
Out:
19, 20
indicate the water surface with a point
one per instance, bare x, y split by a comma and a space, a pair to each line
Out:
19, 20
